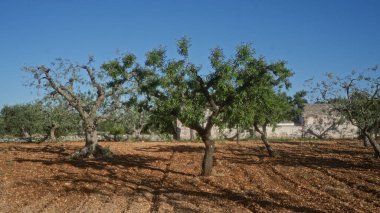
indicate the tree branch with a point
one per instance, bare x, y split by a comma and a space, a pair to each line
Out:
207, 94
64, 91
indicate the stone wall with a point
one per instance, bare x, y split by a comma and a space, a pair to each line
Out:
101, 137
316, 120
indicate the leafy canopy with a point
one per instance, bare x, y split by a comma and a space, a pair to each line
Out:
238, 88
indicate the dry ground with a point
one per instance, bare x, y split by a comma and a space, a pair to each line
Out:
314, 176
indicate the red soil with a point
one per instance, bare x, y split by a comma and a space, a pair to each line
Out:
315, 176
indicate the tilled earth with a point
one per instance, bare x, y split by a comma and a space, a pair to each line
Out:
308, 176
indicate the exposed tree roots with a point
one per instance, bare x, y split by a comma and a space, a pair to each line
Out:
88, 152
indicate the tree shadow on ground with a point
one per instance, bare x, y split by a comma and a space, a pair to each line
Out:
309, 156
149, 174
139, 174
58, 150
173, 148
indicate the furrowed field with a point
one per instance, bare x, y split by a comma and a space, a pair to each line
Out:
308, 176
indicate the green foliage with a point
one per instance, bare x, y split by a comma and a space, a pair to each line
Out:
23, 119
115, 125
298, 101
156, 57
38, 118
259, 89
93, 93
133, 118
116, 130
61, 116
117, 68
2, 126
238, 90
183, 46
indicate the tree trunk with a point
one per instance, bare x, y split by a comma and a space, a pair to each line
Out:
178, 133
319, 136
208, 158
374, 144
267, 146
238, 135
264, 139
53, 128
25, 134
366, 142
91, 148
91, 139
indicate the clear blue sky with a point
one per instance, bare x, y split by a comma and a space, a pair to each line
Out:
314, 36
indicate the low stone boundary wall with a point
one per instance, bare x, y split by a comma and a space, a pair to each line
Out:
101, 137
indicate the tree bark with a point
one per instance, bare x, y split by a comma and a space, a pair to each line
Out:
366, 142
26, 134
91, 148
319, 136
264, 139
137, 133
374, 144
208, 158
267, 146
238, 135
52, 136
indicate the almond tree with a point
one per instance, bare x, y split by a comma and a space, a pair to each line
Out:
91, 92
356, 98
265, 107
178, 89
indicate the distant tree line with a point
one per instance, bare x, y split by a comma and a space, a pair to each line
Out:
39, 117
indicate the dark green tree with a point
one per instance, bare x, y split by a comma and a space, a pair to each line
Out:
263, 108
298, 102
2, 125
200, 102
23, 119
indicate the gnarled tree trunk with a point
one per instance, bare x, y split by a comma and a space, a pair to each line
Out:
91, 148
137, 133
267, 146
264, 139
319, 136
208, 158
374, 144
25, 134
52, 131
